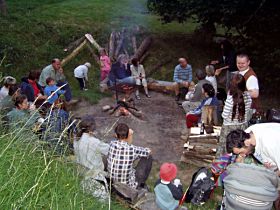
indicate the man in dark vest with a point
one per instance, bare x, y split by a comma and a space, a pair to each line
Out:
252, 84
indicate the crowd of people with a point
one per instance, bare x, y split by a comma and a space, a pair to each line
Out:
46, 94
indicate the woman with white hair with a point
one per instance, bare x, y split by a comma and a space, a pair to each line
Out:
81, 74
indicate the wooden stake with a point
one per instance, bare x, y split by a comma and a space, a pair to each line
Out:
112, 45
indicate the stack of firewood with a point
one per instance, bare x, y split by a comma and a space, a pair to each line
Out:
200, 150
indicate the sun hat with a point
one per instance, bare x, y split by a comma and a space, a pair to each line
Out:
168, 171
87, 64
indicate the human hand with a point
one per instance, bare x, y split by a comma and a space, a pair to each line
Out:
218, 72
214, 62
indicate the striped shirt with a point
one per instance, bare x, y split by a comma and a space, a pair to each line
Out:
228, 109
182, 74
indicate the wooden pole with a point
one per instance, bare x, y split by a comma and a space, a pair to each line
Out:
74, 53
96, 58
143, 47
92, 41
112, 45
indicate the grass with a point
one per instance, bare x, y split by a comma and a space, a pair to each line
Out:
35, 32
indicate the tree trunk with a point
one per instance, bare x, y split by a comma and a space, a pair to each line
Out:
3, 7
112, 45
143, 47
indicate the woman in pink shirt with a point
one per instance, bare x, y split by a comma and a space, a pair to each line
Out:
105, 64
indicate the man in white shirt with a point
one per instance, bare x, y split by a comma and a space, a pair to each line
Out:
81, 74
252, 85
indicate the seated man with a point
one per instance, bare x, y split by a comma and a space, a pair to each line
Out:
198, 95
55, 71
182, 76
122, 155
8, 82
120, 72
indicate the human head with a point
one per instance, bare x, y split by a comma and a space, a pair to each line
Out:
242, 62
87, 64
237, 142
210, 70
50, 81
56, 64
123, 132
102, 51
34, 75
14, 90
87, 125
208, 90
200, 74
9, 81
237, 83
123, 59
226, 46
135, 61
168, 172
21, 102
183, 62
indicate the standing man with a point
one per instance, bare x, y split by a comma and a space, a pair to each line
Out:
182, 76
55, 71
252, 84
122, 156
81, 74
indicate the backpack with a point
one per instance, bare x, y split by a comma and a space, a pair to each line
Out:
201, 187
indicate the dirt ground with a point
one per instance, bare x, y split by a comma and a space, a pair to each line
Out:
159, 130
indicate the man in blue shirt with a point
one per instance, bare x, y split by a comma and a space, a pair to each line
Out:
182, 76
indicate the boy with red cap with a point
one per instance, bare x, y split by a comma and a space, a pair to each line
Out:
168, 193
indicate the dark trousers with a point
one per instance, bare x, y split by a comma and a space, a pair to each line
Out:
81, 82
143, 170
68, 93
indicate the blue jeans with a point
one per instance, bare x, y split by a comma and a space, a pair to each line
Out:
127, 80
68, 93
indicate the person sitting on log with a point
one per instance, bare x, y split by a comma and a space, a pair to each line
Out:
182, 76
168, 192
120, 72
81, 74
138, 72
55, 71
122, 155
105, 64
8, 82
193, 117
31, 88
89, 152
197, 96
236, 110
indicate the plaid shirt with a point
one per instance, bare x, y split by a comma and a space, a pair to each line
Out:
120, 161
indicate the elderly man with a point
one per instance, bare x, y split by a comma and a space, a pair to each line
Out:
252, 85
55, 71
182, 76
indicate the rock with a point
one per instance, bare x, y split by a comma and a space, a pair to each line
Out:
106, 108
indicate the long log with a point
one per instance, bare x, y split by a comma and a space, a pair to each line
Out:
144, 57
134, 43
200, 152
74, 53
96, 58
161, 86
74, 44
112, 45
143, 47
120, 43
205, 141
194, 162
197, 156
90, 38
204, 145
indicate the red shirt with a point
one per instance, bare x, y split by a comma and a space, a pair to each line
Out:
35, 87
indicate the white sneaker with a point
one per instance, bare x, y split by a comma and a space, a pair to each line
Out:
85, 89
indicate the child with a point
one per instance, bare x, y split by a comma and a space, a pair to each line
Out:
193, 116
190, 93
81, 74
105, 64
210, 72
8, 82
138, 72
52, 89
168, 193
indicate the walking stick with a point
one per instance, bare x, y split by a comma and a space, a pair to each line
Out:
181, 202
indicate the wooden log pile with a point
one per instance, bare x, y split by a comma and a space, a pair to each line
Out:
200, 150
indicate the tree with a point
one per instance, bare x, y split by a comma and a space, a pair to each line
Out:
254, 24
3, 7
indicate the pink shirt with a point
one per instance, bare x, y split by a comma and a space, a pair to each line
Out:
105, 63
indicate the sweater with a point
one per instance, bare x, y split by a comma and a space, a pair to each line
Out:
210, 101
119, 71
136, 71
182, 74
27, 89
168, 195
50, 90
